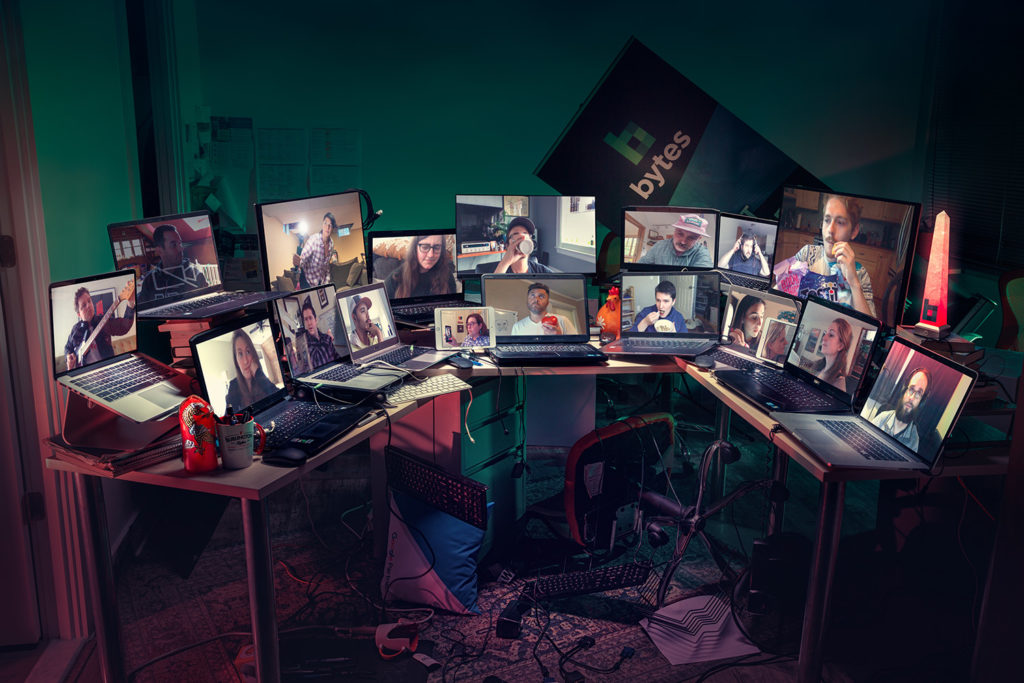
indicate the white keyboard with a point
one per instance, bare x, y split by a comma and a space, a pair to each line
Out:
427, 388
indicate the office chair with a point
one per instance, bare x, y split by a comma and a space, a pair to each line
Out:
1011, 293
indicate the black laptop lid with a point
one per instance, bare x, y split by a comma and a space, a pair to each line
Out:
668, 238
562, 296
79, 306
237, 364
672, 305
833, 347
412, 267
311, 329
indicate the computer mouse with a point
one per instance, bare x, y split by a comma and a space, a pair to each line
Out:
704, 362
286, 457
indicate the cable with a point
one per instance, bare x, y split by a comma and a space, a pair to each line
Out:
185, 648
465, 418
975, 499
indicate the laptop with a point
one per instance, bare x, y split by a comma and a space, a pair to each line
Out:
316, 347
668, 313
95, 339
175, 258
757, 329
418, 272
824, 368
372, 336
911, 410
746, 250
237, 365
661, 238
551, 318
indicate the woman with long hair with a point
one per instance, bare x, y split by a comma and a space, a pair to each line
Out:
250, 384
427, 269
747, 323
834, 345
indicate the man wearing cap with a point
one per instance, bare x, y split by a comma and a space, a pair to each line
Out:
684, 248
517, 257
364, 331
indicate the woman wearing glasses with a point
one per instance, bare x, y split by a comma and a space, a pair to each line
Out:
427, 269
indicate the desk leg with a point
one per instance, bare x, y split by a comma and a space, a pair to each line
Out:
716, 477
101, 579
823, 564
776, 511
379, 493
262, 602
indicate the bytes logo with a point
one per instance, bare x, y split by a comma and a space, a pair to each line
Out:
634, 142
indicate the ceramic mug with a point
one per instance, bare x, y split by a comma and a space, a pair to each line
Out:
237, 443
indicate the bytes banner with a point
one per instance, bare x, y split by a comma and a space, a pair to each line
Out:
648, 135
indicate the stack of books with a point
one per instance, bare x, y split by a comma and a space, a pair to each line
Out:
116, 463
181, 331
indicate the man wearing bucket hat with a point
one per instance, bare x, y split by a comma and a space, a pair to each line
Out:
684, 247
364, 331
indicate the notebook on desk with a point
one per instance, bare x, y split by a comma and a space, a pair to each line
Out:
93, 327
177, 263
824, 368
911, 410
668, 314
418, 272
551, 318
757, 329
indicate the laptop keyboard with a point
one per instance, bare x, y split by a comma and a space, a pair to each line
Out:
116, 381
564, 349
732, 360
339, 373
632, 343
402, 354
294, 419
744, 281
424, 311
791, 391
866, 443
202, 302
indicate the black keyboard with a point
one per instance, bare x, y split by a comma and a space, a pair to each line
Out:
788, 390
402, 354
203, 302
295, 418
732, 360
673, 345
590, 581
339, 373
744, 281
425, 311
116, 381
561, 349
459, 496
866, 443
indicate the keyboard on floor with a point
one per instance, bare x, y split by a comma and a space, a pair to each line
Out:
427, 388
459, 496
862, 440
116, 381
589, 581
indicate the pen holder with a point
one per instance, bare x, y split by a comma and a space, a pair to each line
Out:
238, 443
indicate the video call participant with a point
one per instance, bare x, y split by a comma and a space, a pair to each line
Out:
777, 343
832, 368
899, 422
175, 274
662, 316
840, 224
364, 331
682, 249
319, 345
477, 333
250, 384
517, 257
102, 347
427, 269
747, 323
539, 322
315, 260
745, 257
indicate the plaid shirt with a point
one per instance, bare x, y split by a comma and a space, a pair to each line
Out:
315, 260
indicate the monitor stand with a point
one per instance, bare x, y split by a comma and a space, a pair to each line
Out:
88, 425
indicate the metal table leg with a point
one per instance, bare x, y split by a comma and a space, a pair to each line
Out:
776, 511
716, 477
260, 572
823, 562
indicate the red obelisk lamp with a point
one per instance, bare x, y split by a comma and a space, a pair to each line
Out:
933, 323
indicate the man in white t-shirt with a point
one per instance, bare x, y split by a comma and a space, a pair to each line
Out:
539, 322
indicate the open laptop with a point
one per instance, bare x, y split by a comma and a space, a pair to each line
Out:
93, 327
757, 329
237, 365
316, 347
911, 410
418, 272
551, 318
824, 368
372, 336
176, 260
746, 250
668, 313
661, 238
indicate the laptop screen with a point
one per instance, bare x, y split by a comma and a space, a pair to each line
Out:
311, 329
414, 265
312, 241
237, 365
832, 347
92, 320
760, 324
547, 308
917, 398
746, 245
673, 304
174, 257
366, 316
551, 234
668, 237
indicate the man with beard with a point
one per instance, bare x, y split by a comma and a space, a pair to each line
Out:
684, 248
745, 257
539, 322
175, 274
900, 421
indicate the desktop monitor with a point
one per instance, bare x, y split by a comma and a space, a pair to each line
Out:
490, 232
819, 231
312, 241
390, 261
668, 238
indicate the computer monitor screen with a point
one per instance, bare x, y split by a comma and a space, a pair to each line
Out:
367, 318
846, 248
87, 321
311, 329
525, 234
537, 307
671, 303
760, 323
668, 237
239, 367
312, 241
414, 263
746, 245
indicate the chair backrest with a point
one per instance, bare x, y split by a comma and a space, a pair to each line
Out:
1011, 290
605, 469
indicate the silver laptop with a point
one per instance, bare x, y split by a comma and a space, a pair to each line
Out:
372, 336
668, 313
746, 250
93, 327
315, 344
757, 329
911, 410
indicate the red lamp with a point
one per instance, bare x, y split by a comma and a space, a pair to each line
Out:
934, 324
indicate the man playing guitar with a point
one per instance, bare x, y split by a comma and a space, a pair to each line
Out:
89, 340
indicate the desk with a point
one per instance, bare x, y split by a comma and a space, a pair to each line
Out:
830, 507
